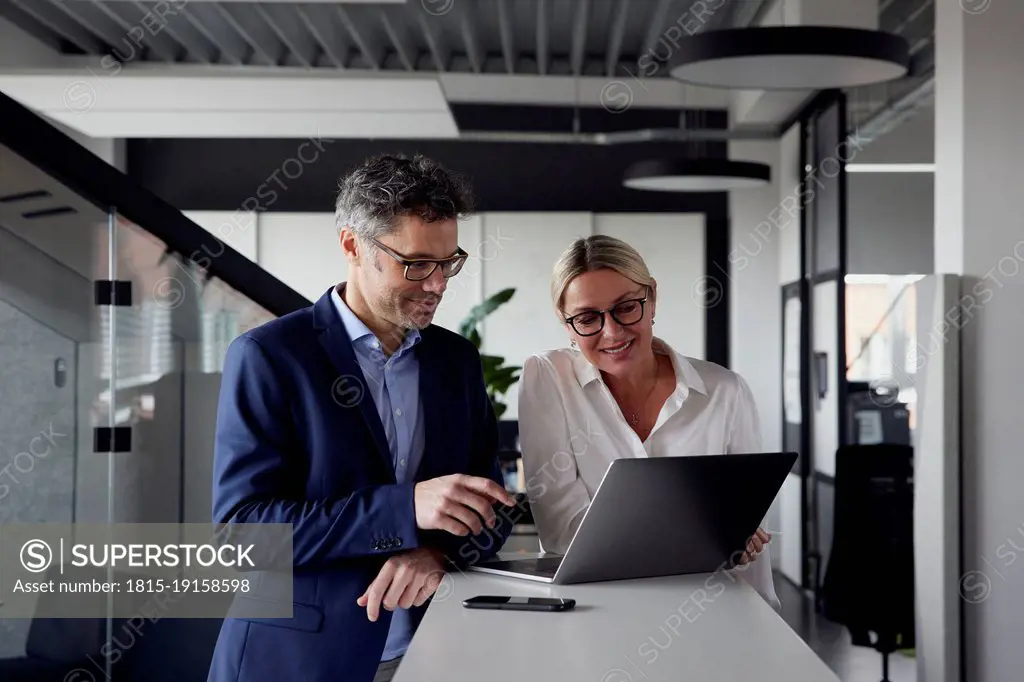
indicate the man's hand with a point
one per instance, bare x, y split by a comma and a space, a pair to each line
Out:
758, 541
406, 579
451, 503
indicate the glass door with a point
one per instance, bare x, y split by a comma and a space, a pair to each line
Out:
54, 343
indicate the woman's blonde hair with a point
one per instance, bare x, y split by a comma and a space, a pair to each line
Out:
596, 252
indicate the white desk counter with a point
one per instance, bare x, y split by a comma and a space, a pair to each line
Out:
703, 628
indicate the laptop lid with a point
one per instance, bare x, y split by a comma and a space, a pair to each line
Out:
673, 515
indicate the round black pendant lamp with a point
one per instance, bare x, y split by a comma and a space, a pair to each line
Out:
696, 175
790, 58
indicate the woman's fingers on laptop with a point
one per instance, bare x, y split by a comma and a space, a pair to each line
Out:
758, 541
755, 545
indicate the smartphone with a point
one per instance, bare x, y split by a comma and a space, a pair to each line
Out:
519, 603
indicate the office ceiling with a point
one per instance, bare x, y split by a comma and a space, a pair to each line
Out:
915, 21
539, 53
540, 37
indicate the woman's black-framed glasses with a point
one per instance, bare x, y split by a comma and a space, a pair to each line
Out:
591, 322
418, 269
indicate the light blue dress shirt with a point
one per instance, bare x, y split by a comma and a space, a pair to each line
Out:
394, 384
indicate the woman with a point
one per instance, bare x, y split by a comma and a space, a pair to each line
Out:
619, 391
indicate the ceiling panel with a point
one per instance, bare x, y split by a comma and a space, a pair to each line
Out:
214, 124
131, 105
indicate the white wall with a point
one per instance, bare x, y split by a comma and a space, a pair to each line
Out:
789, 195
756, 297
678, 269
979, 235
825, 438
301, 250
236, 230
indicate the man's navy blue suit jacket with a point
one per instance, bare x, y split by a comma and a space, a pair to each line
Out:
299, 441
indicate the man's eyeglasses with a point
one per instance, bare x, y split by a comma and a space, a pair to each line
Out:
591, 322
418, 269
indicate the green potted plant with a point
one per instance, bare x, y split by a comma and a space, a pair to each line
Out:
498, 377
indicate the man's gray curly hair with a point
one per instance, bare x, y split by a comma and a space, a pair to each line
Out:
386, 187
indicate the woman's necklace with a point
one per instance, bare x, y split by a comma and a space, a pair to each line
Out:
635, 416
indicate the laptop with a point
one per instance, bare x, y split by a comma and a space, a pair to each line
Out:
662, 516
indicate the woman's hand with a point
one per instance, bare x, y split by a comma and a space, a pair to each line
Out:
758, 541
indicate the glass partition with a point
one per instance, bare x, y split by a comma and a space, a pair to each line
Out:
70, 365
170, 345
55, 369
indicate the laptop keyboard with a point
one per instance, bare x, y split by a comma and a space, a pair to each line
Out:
544, 567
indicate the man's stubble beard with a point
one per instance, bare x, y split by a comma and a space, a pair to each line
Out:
417, 320
391, 308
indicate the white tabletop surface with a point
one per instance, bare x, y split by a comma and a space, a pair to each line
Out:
698, 628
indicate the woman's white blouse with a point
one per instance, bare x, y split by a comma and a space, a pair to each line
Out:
570, 430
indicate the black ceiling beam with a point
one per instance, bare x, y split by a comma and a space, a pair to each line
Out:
228, 174
560, 119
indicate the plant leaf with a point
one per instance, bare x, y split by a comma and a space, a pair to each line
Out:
481, 310
502, 379
491, 362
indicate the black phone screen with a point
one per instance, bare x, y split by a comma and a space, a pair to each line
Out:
519, 603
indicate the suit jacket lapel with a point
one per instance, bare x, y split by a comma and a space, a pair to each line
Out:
435, 403
349, 389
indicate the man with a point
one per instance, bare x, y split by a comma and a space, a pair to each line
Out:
369, 430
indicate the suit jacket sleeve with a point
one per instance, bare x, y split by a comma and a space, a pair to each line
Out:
464, 551
259, 477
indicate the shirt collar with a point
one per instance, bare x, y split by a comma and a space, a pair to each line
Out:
357, 330
687, 375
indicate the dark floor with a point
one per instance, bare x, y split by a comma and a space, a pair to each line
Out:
832, 642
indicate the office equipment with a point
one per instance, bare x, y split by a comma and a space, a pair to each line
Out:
662, 516
869, 582
875, 414
509, 455
506, 603
705, 627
